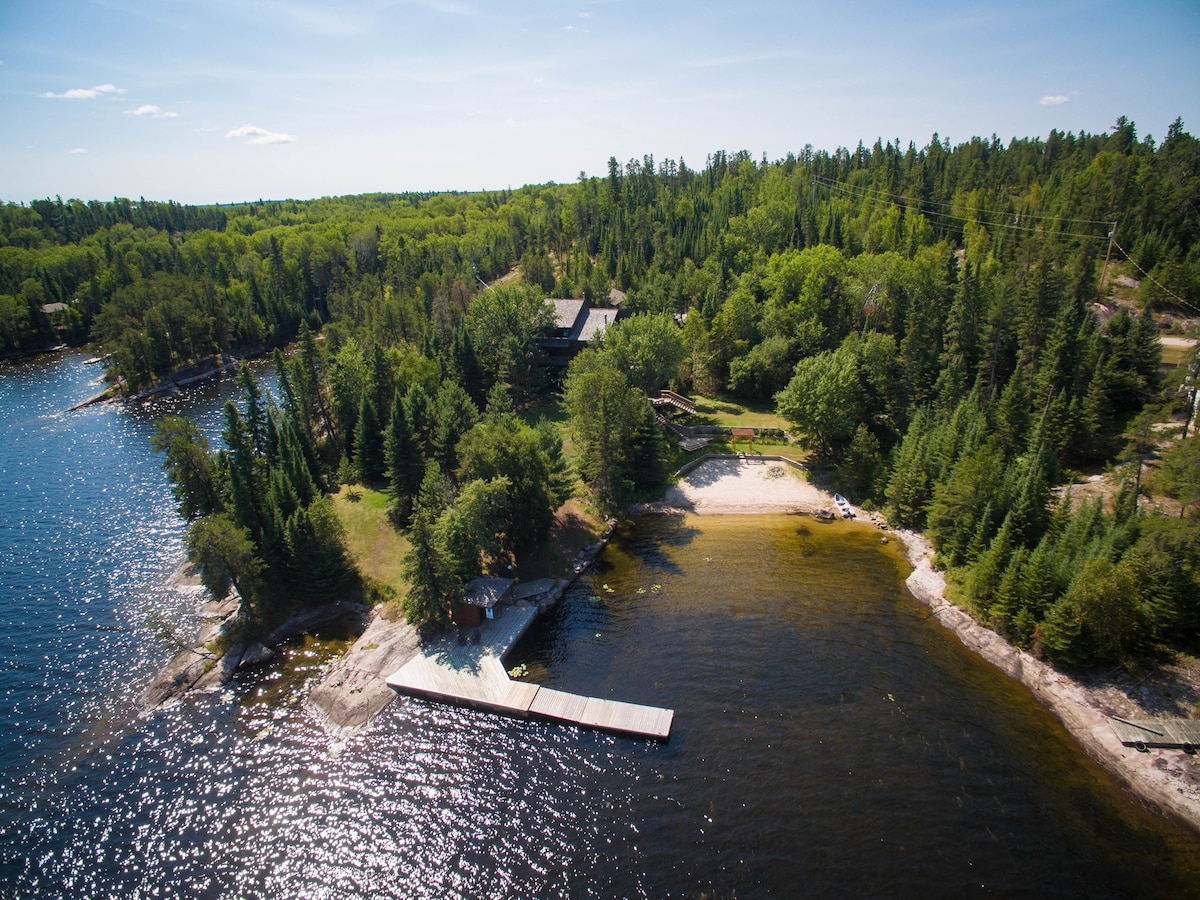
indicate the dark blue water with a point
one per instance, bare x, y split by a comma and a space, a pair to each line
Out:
829, 740
88, 536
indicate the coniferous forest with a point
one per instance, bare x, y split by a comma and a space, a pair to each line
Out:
937, 324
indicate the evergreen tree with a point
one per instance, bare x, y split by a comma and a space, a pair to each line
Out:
190, 466
255, 418
225, 556
425, 604
369, 457
404, 461
456, 415
246, 488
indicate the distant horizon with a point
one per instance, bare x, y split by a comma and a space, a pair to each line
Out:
212, 101
551, 181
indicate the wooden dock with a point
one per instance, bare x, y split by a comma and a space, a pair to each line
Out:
474, 675
1167, 734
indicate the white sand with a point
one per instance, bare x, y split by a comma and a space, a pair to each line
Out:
724, 486
1168, 779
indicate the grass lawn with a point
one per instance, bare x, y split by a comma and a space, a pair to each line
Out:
726, 411
376, 546
732, 413
676, 458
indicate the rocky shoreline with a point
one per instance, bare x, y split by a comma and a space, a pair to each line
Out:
353, 691
1169, 780
217, 652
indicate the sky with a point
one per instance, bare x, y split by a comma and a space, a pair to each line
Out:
218, 101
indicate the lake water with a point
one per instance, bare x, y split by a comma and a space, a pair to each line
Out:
830, 738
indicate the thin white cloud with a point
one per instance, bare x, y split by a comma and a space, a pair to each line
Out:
260, 135
78, 150
447, 7
743, 59
84, 93
149, 109
335, 23
1056, 99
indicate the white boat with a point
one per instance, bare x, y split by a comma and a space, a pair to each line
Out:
843, 506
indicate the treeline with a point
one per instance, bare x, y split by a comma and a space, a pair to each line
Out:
674, 236
927, 318
260, 520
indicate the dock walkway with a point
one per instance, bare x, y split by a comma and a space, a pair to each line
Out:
1167, 734
474, 675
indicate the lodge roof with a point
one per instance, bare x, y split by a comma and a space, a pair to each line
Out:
567, 311
594, 323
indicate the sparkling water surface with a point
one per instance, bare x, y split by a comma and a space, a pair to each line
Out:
830, 739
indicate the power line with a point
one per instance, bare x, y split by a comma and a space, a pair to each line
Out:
1154, 280
912, 201
944, 218
950, 219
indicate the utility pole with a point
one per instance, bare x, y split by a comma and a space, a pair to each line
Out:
1189, 385
1107, 256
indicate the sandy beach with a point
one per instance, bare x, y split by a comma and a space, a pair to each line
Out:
1167, 779
754, 485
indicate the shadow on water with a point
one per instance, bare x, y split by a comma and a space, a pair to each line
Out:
652, 545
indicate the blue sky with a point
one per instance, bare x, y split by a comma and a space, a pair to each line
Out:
205, 101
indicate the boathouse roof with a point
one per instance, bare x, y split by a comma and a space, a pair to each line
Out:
487, 590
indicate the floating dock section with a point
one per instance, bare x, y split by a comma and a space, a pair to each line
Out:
473, 675
1165, 734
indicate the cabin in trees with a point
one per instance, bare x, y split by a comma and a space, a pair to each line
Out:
482, 597
575, 325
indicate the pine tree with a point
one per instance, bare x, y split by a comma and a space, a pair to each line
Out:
424, 604
246, 487
405, 463
368, 442
421, 420
1008, 599
190, 467
909, 489
256, 413
984, 577
456, 415
465, 366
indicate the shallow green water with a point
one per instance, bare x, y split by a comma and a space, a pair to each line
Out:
828, 731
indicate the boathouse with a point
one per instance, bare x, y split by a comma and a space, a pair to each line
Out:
482, 597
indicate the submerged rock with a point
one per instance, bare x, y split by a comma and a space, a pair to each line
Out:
179, 676
256, 654
199, 668
220, 673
